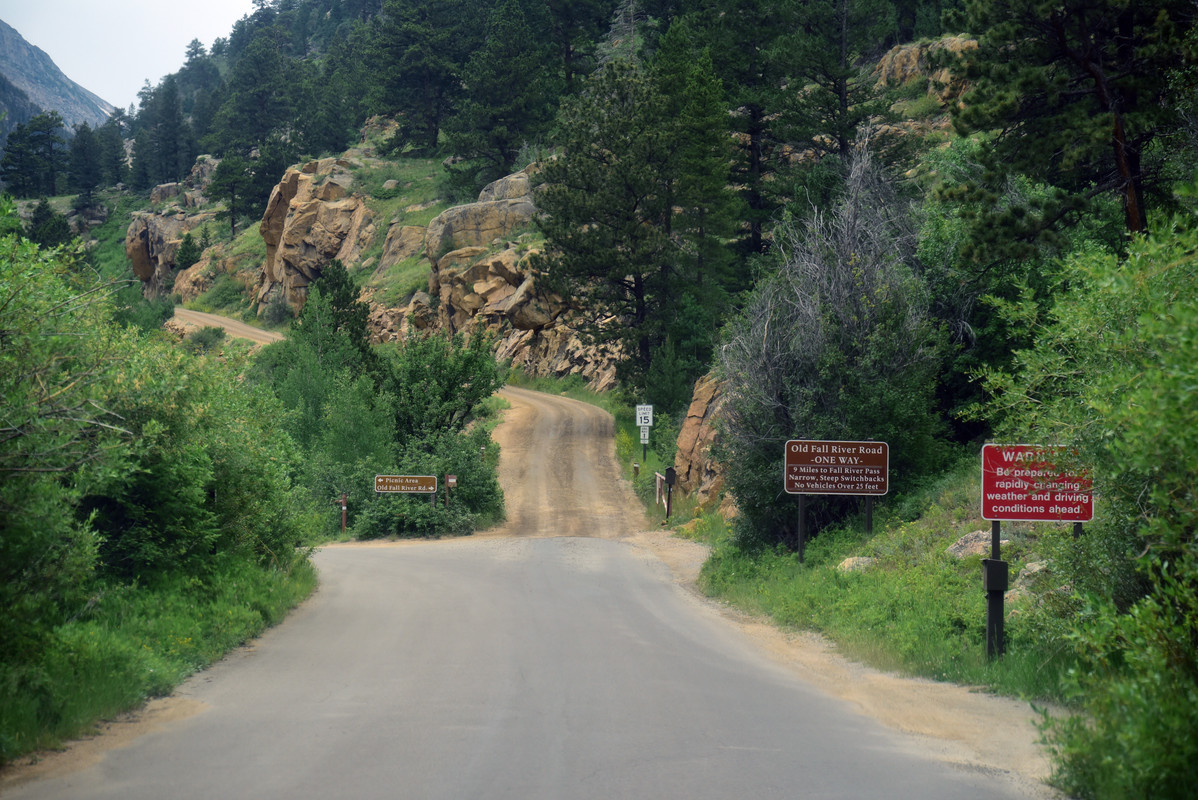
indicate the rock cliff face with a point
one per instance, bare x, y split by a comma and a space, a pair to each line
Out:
904, 63
699, 475
480, 278
311, 219
481, 282
153, 237
151, 242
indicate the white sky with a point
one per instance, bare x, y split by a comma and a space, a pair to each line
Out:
111, 47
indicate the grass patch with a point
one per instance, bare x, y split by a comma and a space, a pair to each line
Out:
399, 283
137, 642
574, 387
915, 609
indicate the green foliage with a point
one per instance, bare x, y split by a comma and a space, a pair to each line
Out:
34, 157
1078, 90
205, 340
1112, 377
509, 95
225, 293
974, 271
421, 47
232, 182
47, 227
188, 253
439, 382
132, 643
837, 344
914, 609
633, 230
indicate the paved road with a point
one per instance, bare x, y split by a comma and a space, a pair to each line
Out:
511, 667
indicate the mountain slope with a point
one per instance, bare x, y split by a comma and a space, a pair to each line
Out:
30, 70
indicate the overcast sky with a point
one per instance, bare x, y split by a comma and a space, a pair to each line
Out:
112, 47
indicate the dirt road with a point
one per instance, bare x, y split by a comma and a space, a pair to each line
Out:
200, 319
550, 441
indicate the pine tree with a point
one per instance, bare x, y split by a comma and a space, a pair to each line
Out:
508, 95
633, 229
86, 172
748, 48
1077, 90
421, 47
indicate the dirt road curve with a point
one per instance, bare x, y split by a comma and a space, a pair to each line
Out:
240, 330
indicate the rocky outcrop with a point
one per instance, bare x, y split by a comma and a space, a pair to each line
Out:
698, 474
977, 543
907, 62
192, 282
477, 224
482, 280
311, 219
480, 274
151, 242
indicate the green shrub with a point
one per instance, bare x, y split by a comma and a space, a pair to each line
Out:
1114, 377
206, 340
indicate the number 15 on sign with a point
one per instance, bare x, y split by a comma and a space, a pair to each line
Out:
644, 416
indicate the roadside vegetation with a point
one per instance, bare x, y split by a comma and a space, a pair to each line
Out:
149, 519
158, 501
933, 223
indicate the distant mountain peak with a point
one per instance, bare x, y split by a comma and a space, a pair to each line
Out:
29, 69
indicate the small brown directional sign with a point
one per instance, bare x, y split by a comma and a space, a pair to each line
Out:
826, 467
407, 484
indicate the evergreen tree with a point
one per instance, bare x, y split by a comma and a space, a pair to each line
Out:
170, 145
86, 171
748, 47
188, 253
110, 139
836, 96
257, 101
630, 229
47, 227
141, 175
574, 28
18, 167
1077, 91
421, 47
508, 95
232, 182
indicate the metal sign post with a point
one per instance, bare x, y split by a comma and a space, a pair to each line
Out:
644, 419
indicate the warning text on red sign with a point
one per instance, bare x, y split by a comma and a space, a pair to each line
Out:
1027, 483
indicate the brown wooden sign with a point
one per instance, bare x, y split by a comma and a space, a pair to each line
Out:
826, 467
406, 484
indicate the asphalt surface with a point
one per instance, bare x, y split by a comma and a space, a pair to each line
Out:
512, 667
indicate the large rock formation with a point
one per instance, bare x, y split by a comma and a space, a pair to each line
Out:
503, 207
311, 219
480, 278
907, 62
151, 242
481, 281
698, 474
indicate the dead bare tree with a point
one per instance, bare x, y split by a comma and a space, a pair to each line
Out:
838, 344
